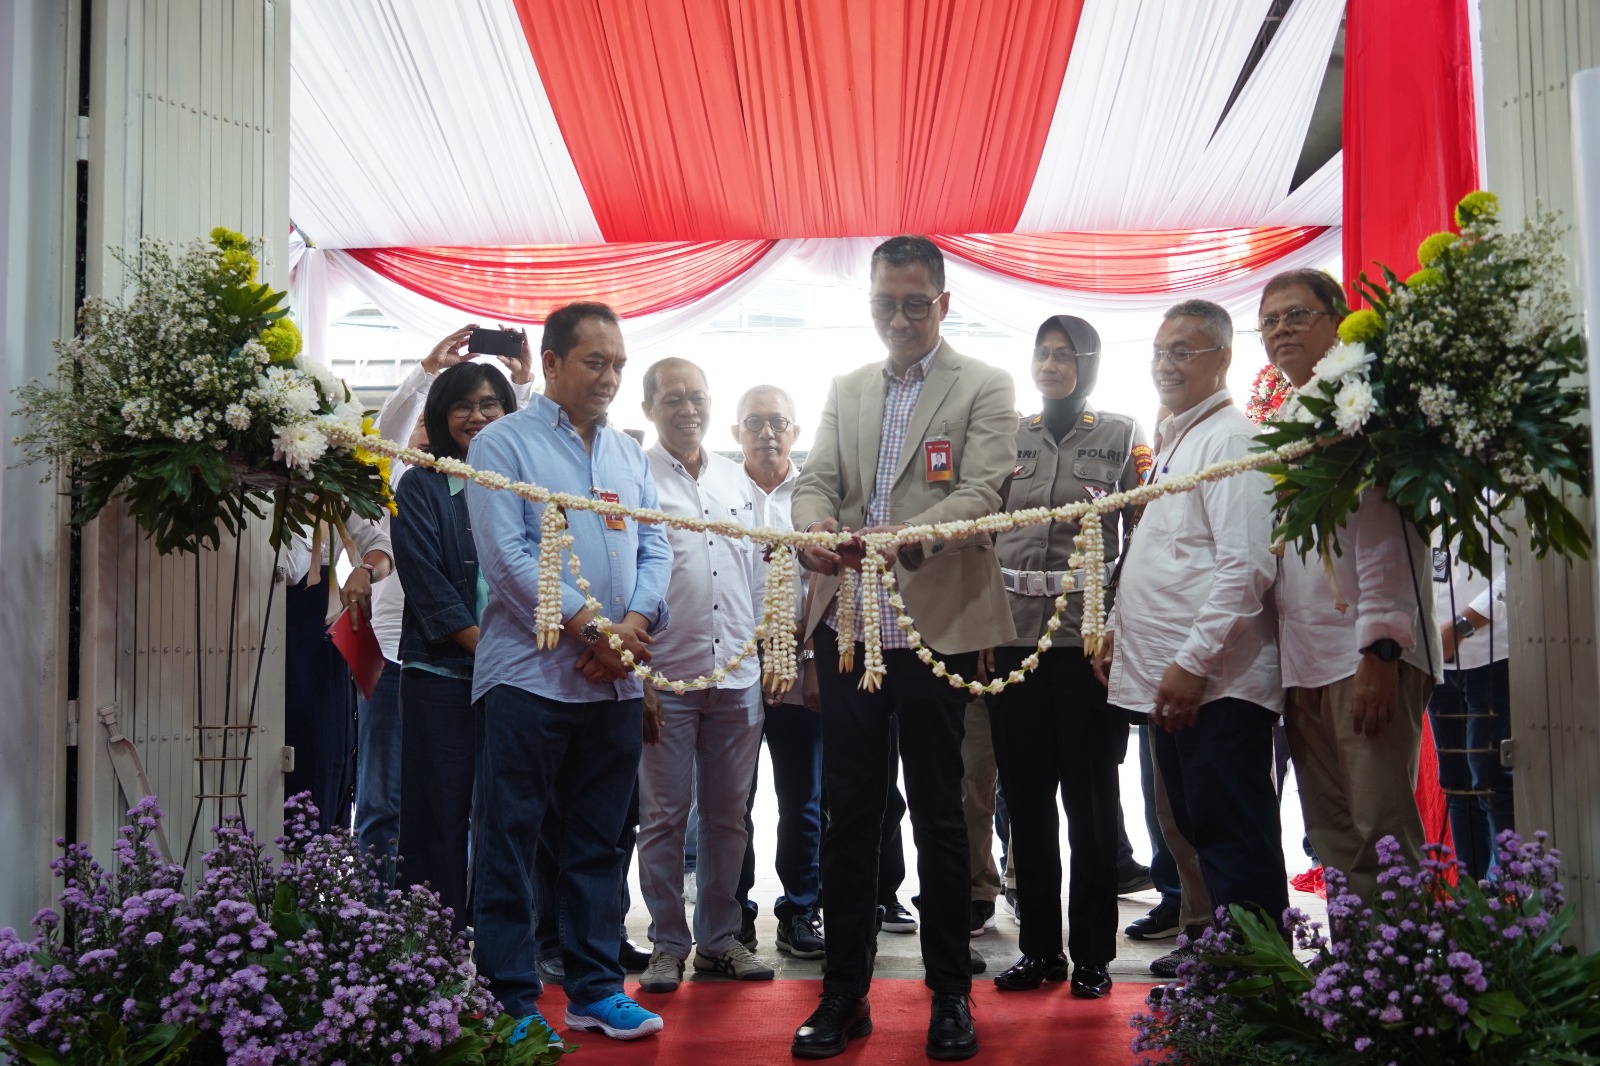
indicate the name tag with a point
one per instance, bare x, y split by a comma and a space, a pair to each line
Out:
613, 521
936, 459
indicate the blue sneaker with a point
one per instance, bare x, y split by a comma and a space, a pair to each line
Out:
521, 1030
617, 1016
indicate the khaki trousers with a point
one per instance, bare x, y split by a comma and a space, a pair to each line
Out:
1355, 790
977, 801
1196, 909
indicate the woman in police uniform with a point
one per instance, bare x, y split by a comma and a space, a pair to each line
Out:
1054, 730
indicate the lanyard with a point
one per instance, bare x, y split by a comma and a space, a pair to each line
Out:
1182, 436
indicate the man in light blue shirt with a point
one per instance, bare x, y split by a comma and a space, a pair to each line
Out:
562, 727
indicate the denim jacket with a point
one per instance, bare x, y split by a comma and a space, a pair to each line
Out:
438, 567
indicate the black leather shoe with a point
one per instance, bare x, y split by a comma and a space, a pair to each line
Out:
951, 1036
632, 957
1091, 982
837, 1020
1027, 974
979, 963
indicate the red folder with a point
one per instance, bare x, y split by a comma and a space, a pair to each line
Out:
360, 649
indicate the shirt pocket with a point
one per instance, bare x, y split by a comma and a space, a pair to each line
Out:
1096, 472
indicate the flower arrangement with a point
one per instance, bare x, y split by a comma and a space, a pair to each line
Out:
1458, 392
312, 961
1267, 392
192, 402
1440, 970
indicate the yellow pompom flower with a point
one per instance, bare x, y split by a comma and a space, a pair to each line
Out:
227, 239
1476, 205
240, 263
1433, 247
1423, 278
1360, 326
282, 341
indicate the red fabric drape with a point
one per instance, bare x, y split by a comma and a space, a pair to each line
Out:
1146, 261
524, 283
1410, 133
692, 119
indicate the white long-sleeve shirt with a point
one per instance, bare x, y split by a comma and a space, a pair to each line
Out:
1194, 588
715, 587
1458, 590
1320, 645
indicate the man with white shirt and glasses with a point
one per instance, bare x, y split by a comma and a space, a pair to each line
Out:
714, 733
766, 431
562, 727
1195, 642
1358, 676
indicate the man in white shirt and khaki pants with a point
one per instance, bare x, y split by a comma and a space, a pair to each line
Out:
1195, 643
1358, 678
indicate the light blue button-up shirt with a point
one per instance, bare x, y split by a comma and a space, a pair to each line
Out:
627, 569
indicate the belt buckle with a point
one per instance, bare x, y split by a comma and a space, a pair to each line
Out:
1034, 580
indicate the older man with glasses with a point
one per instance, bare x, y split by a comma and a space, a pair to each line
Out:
1358, 676
1194, 639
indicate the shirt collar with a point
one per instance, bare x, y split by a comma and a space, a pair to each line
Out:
920, 368
553, 413
660, 449
1174, 424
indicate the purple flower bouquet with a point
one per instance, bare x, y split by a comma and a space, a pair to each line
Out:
309, 961
1438, 970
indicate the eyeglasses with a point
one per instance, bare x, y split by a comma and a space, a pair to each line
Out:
1297, 319
778, 423
1059, 355
915, 308
1180, 356
488, 408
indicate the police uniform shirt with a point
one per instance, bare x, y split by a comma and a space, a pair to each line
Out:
1103, 454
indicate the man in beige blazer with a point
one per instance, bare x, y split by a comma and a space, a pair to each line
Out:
927, 436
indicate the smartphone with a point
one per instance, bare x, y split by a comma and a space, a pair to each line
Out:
495, 342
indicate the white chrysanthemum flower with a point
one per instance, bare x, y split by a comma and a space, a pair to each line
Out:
1341, 360
330, 384
299, 445
1353, 405
238, 416
346, 416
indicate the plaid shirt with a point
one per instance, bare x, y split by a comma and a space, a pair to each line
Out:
900, 399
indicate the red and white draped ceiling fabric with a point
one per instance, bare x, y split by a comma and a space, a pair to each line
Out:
502, 156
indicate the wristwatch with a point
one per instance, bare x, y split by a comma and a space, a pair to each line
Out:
1464, 628
1385, 649
372, 571
590, 633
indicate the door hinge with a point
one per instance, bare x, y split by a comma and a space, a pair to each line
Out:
1508, 752
83, 138
287, 759
72, 723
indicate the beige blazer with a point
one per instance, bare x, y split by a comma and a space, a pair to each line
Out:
954, 595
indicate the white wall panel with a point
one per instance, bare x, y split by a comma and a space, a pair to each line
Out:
1531, 48
188, 133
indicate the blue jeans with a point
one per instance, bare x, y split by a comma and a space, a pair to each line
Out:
1471, 714
378, 771
794, 743
438, 771
582, 758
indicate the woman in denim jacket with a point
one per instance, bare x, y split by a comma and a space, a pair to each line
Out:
438, 567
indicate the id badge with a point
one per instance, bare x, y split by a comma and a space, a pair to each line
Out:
936, 459
613, 521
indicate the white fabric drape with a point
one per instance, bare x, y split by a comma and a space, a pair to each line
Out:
425, 123
1245, 170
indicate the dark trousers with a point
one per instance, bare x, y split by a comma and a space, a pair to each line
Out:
1054, 732
1218, 775
438, 770
1471, 714
547, 871
1163, 867
794, 744
319, 707
857, 765
378, 772
583, 759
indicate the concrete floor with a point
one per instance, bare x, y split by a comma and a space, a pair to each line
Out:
899, 954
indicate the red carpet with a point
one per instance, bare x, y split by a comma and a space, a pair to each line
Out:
714, 1021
